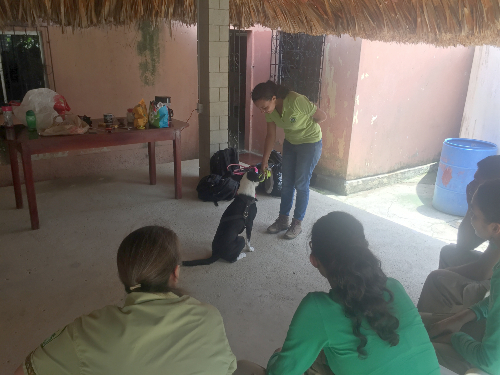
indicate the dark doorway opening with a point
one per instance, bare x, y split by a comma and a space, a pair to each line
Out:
237, 88
22, 67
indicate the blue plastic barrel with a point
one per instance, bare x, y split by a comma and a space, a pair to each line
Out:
457, 167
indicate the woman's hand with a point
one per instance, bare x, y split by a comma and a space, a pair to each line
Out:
443, 339
264, 166
450, 325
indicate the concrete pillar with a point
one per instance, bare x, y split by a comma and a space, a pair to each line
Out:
213, 56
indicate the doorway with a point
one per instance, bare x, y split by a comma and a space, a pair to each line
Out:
237, 88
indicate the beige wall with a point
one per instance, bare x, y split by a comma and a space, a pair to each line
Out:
409, 98
481, 118
103, 70
338, 91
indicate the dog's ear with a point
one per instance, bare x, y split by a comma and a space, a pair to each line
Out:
253, 176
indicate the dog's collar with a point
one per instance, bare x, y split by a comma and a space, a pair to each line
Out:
247, 199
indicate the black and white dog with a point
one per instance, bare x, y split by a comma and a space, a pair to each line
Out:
239, 215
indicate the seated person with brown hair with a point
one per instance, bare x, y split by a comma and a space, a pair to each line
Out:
158, 330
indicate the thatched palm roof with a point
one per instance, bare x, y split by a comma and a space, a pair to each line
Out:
440, 22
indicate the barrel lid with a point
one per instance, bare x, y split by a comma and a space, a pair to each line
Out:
470, 144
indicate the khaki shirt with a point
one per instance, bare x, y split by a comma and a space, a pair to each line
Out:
151, 335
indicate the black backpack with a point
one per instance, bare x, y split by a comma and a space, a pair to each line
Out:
221, 159
214, 188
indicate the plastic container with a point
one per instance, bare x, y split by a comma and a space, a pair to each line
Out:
31, 120
457, 166
130, 116
7, 115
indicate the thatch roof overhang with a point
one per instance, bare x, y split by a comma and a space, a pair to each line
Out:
439, 22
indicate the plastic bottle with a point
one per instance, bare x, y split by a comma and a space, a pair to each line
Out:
130, 116
31, 120
7, 116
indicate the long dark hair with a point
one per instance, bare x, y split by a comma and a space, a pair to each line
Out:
355, 275
266, 91
147, 258
487, 199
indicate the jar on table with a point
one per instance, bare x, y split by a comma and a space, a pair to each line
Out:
130, 116
31, 120
7, 116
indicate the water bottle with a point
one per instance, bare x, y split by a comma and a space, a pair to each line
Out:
7, 116
31, 120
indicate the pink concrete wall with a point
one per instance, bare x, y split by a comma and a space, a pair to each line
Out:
338, 91
258, 70
409, 99
111, 69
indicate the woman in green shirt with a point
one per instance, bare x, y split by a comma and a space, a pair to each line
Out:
301, 149
457, 350
158, 331
366, 324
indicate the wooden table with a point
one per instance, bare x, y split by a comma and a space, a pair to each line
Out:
18, 139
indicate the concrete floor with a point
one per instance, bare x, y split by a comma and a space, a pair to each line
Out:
67, 267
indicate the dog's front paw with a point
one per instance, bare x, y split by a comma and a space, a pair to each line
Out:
241, 256
250, 248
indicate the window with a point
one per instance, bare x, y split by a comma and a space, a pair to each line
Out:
21, 64
296, 62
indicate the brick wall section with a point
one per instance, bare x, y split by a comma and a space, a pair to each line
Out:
213, 42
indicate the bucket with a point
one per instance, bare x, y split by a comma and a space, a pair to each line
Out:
457, 166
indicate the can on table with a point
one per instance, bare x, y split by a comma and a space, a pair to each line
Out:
108, 118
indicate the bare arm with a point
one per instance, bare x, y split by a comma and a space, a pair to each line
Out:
319, 116
19, 371
467, 238
450, 325
481, 269
269, 143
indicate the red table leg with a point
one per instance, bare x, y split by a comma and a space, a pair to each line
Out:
30, 185
177, 165
16, 179
152, 163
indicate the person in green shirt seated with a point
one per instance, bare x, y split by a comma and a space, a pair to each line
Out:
456, 349
158, 331
299, 118
365, 325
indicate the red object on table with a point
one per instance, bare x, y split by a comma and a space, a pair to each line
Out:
27, 147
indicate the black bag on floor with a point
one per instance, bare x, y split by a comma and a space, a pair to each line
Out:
273, 184
214, 188
221, 159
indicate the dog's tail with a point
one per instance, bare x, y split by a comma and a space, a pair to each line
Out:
200, 262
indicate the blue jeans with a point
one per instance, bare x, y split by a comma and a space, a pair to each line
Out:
297, 168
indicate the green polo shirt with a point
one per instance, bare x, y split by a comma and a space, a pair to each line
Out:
320, 323
296, 120
151, 334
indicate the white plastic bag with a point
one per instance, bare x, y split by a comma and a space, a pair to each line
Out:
46, 104
69, 125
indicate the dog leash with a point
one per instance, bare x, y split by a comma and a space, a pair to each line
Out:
241, 170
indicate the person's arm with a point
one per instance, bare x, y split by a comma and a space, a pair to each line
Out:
305, 339
269, 144
482, 268
319, 116
483, 354
450, 325
19, 371
466, 238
